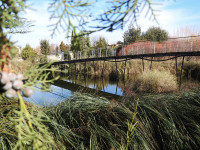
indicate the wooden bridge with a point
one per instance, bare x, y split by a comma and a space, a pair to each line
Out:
172, 49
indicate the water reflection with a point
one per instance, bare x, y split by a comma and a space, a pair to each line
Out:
63, 89
102, 84
104, 87
51, 97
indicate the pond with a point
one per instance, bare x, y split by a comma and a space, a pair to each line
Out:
67, 85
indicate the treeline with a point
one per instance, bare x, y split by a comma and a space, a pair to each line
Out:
152, 34
83, 43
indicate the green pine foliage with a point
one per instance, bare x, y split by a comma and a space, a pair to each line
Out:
115, 16
10, 10
31, 132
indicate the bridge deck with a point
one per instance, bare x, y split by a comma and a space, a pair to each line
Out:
136, 56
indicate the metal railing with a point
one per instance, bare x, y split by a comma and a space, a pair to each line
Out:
183, 44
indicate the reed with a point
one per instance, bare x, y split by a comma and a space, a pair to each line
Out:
164, 121
155, 82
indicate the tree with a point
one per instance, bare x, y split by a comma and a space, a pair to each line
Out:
45, 47
80, 43
156, 34
132, 35
57, 49
28, 53
100, 45
63, 47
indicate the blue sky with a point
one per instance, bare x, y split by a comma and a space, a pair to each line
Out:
175, 16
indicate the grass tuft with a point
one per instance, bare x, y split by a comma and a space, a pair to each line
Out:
155, 81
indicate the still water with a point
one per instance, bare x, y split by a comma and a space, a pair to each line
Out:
66, 86
63, 88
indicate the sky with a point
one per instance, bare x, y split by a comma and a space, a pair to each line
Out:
175, 16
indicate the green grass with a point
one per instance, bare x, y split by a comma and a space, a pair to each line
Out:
165, 121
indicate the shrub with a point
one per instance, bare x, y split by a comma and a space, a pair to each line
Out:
156, 34
155, 81
132, 35
28, 53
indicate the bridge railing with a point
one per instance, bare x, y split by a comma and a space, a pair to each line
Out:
188, 44
172, 45
95, 53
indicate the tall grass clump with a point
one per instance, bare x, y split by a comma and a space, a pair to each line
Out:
168, 121
155, 81
164, 121
98, 122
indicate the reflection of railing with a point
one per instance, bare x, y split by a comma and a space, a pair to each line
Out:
181, 44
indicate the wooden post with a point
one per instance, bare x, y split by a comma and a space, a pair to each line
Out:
116, 69
143, 63
69, 70
176, 68
181, 73
102, 71
75, 69
94, 70
80, 68
151, 63
85, 70
124, 69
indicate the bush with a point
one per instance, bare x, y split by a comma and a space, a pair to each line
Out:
155, 81
132, 35
28, 53
156, 34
